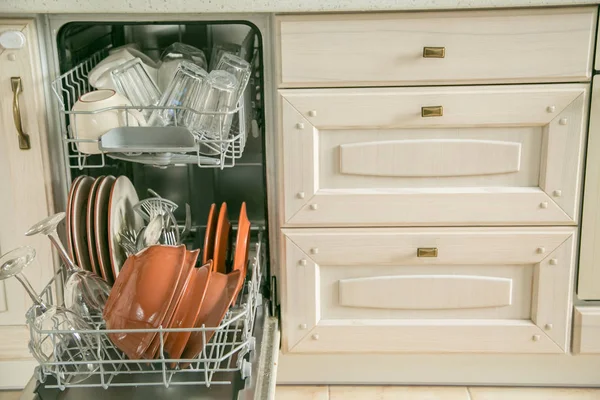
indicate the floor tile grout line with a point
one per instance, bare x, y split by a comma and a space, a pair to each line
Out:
328, 392
469, 392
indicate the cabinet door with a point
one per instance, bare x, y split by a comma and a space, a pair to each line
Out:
433, 156
24, 197
428, 290
588, 287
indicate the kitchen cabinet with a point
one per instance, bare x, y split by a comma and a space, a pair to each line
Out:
25, 193
429, 290
588, 287
586, 330
494, 155
499, 46
432, 168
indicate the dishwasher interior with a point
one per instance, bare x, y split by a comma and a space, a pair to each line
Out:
232, 179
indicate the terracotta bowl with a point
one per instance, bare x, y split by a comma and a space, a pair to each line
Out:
218, 298
142, 295
188, 309
188, 267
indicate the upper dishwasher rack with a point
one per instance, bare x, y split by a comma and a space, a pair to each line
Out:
159, 146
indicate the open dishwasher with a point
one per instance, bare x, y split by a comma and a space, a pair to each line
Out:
239, 361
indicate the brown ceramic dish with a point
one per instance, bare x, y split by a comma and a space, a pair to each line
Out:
141, 296
188, 267
89, 224
101, 227
188, 309
209, 235
218, 298
240, 258
221, 241
69, 217
78, 223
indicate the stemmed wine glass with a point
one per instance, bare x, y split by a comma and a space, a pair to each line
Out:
55, 331
85, 293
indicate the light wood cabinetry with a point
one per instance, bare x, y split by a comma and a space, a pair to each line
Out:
586, 330
588, 287
488, 290
497, 155
397, 49
25, 197
430, 223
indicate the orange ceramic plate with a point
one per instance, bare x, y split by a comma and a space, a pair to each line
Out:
209, 235
221, 240
218, 298
69, 219
89, 224
188, 267
141, 296
240, 259
188, 309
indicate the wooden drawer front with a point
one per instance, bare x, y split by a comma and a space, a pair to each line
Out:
588, 287
497, 155
483, 46
586, 330
500, 290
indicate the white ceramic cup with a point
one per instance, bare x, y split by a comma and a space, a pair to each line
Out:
94, 123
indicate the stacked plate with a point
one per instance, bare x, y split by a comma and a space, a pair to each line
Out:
98, 209
161, 287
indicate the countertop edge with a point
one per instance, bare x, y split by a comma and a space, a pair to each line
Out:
262, 6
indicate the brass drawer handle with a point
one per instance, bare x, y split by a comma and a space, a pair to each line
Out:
427, 252
434, 52
24, 143
434, 111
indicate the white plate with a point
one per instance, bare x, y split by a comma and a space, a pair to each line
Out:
69, 218
78, 222
101, 227
121, 217
89, 223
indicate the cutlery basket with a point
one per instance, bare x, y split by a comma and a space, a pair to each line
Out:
227, 352
217, 151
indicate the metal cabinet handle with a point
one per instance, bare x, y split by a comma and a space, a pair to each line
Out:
434, 111
17, 88
434, 52
427, 252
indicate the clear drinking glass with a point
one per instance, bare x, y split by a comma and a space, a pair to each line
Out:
69, 345
185, 90
132, 81
85, 293
239, 68
221, 48
217, 103
172, 58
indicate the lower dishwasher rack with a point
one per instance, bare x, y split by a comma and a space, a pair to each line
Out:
238, 362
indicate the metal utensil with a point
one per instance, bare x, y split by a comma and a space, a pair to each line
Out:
153, 231
187, 227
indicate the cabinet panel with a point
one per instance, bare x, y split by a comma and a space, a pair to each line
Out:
488, 290
588, 287
430, 48
496, 155
586, 330
25, 195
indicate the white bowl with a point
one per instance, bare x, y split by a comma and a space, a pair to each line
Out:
94, 117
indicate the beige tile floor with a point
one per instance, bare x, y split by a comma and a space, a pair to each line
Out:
430, 393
